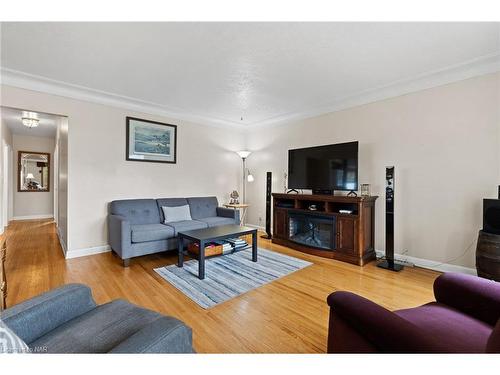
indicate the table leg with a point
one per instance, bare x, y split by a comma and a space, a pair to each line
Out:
180, 259
201, 261
254, 246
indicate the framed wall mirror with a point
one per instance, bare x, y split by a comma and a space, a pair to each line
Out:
33, 172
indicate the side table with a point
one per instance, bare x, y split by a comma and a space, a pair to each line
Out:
240, 206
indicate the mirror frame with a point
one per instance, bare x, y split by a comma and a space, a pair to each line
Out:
19, 190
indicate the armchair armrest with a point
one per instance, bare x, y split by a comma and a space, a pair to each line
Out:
120, 234
164, 335
385, 330
229, 212
37, 316
472, 295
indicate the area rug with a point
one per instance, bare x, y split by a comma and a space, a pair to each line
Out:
229, 276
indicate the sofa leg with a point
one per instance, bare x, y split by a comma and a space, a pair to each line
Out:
126, 262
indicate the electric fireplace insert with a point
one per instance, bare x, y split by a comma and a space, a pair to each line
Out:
312, 230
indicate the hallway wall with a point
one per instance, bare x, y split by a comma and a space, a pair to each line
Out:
5, 139
32, 205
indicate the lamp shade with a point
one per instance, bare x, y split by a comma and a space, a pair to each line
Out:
250, 177
244, 153
30, 175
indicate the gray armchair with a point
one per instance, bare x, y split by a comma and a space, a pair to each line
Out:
67, 320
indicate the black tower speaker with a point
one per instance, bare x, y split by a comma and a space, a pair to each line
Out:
269, 181
491, 216
389, 263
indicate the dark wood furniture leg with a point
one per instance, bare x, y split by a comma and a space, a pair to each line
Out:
3, 278
201, 261
180, 259
254, 246
126, 262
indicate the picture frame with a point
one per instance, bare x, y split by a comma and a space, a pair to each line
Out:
150, 141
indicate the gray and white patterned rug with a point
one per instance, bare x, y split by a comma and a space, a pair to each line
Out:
229, 276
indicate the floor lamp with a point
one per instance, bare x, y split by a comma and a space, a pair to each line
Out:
247, 176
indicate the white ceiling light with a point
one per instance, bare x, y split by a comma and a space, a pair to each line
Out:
30, 122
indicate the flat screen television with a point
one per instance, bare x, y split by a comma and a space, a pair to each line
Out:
330, 167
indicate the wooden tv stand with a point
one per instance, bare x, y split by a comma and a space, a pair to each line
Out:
353, 234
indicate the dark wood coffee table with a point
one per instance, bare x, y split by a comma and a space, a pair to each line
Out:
205, 235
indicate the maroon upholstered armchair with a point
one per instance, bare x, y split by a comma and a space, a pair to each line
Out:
464, 319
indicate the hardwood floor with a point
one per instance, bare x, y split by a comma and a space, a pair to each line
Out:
289, 315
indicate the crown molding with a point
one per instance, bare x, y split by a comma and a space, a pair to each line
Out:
15, 78
453, 73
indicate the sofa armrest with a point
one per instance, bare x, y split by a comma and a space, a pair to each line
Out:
37, 316
229, 212
472, 295
119, 235
164, 335
383, 329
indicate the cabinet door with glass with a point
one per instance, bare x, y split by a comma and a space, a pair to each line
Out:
33, 171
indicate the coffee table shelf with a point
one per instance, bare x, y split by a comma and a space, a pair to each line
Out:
206, 235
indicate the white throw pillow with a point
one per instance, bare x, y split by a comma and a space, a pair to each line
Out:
178, 213
10, 342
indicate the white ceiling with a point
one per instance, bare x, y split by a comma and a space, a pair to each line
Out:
12, 118
263, 72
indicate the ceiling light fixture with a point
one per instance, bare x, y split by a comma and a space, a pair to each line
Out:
30, 122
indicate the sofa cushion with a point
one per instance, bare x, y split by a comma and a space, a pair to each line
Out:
169, 202
97, 331
218, 221
184, 225
136, 211
150, 232
463, 333
202, 207
179, 213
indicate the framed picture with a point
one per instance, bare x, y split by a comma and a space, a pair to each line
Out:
151, 141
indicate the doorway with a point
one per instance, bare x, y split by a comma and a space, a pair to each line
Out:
31, 160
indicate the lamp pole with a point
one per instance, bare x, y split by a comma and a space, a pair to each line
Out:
244, 182
243, 155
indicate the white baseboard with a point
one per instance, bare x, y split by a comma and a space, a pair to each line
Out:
431, 264
258, 227
33, 217
87, 251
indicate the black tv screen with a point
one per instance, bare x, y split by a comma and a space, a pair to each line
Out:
330, 167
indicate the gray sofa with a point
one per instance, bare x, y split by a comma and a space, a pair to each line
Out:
136, 226
67, 320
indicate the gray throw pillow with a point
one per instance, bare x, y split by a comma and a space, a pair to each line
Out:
10, 342
178, 213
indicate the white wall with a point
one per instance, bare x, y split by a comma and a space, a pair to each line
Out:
33, 204
444, 143
5, 205
98, 172
62, 181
